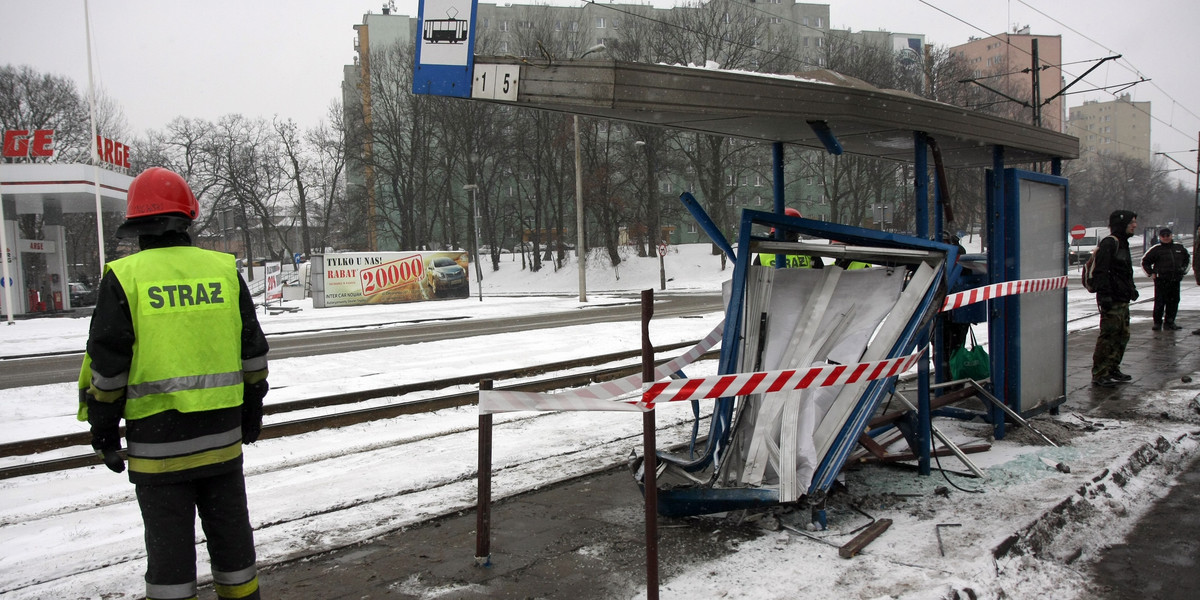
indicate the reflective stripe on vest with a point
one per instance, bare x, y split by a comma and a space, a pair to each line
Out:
186, 319
215, 441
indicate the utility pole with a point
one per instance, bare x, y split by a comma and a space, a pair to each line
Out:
1196, 219
1037, 84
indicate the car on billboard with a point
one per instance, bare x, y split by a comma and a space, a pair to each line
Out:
446, 276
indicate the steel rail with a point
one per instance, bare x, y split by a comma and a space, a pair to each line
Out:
353, 417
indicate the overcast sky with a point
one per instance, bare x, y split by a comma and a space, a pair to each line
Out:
161, 59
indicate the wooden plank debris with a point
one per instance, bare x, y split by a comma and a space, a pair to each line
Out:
867, 536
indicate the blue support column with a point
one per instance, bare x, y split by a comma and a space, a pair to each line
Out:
921, 176
777, 188
921, 208
777, 175
939, 334
997, 259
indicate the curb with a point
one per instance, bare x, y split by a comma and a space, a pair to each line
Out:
1092, 501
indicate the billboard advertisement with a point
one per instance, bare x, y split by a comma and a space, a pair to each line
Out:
358, 278
273, 287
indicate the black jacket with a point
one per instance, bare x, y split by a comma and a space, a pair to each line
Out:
1114, 269
1168, 261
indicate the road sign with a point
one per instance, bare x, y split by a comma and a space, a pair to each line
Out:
445, 56
1077, 232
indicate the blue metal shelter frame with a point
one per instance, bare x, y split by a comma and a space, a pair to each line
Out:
822, 110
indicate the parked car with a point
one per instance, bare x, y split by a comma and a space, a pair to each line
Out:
81, 294
445, 275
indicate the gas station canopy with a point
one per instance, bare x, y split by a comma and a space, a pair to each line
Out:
31, 188
818, 109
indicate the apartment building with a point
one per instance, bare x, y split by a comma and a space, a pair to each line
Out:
1119, 127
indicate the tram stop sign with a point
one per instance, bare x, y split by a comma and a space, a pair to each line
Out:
1077, 232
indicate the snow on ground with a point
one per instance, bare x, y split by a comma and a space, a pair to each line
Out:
78, 534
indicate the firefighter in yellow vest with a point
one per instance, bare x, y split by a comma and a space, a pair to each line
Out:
791, 261
847, 263
176, 351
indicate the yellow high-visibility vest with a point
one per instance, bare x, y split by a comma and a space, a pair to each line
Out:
188, 350
791, 261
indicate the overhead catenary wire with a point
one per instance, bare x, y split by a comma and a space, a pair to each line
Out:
1112, 90
1073, 30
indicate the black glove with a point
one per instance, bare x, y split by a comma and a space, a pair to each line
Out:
105, 420
1135, 296
252, 410
1105, 302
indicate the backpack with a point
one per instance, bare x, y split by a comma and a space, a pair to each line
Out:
1089, 269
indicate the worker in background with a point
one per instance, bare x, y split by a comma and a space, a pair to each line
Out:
793, 261
848, 264
175, 349
1166, 263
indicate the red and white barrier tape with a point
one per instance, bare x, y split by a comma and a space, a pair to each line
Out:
743, 384
605, 396
1004, 288
594, 397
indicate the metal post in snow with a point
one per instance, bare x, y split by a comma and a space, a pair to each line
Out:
650, 460
7, 281
483, 503
580, 251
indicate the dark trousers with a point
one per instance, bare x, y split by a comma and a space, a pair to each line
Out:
169, 515
1110, 344
1166, 300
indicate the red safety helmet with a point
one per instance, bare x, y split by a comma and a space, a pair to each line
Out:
159, 200
158, 191
791, 212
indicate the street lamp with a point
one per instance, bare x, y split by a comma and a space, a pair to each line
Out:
580, 254
470, 187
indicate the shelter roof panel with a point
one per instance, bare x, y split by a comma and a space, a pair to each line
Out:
772, 108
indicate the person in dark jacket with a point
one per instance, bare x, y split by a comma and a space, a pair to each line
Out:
1166, 263
1196, 263
1114, 291
175, 349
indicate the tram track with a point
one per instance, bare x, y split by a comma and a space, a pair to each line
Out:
346, 418
331, 516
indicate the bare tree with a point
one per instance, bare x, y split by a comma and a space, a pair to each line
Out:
1103, 184
32, 100
728, 33
326, 176
296, 163
249, 177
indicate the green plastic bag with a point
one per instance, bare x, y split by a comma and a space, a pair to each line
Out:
970, 362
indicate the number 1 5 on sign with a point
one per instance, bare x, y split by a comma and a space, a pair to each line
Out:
496, 82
